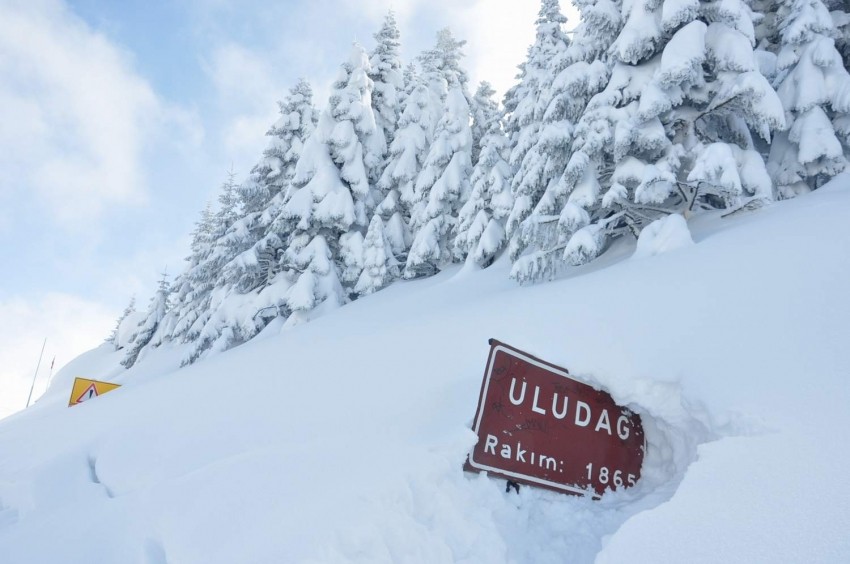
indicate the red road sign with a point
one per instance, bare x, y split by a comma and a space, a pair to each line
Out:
538, 426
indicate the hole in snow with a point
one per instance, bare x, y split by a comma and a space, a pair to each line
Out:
441, 514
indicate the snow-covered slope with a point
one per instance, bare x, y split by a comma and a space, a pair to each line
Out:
342, 440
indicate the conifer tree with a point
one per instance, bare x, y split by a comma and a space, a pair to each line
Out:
379, 265
387, 77
407, 156
408, 76
114, 336
318, 280
395, 218
333, 195
484, 111
443, 182
157, 310
195, 288
677, 128
191, 284
527, 104
258, 238
840, 12
814, 87
481, 220
578, 70
601, 22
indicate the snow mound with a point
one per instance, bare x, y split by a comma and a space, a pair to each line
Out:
663, 235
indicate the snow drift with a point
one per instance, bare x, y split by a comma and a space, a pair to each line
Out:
342, 440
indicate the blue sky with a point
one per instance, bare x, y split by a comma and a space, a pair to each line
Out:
122, 118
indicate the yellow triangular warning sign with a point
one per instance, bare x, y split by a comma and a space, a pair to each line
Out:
85, 390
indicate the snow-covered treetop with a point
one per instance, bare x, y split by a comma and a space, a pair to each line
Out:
202, 236
386, 56
352, 92
387, 77
445, 57
485, 111
228, 202
286, 140
550, 44
346, 134
297, 114
114, 336
550, 16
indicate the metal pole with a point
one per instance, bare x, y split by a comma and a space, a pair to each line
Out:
37, 366
50, 375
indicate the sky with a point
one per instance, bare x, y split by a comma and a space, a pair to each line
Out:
120, 120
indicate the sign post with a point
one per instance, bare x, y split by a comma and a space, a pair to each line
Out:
84, 390
538, 426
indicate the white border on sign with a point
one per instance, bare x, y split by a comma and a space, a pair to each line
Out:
487, 468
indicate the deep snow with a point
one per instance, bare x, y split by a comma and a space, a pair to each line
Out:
342, 440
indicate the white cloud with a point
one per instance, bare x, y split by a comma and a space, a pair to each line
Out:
247, 88
248, 79
498, 35
86, 147
76, 117
71, 325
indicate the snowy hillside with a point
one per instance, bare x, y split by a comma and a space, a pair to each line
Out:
342, 440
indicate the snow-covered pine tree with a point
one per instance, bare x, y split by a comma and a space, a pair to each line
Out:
242, 302
244, 257
814, 87
443, 182
408, 76
395, 218
263, 194
195, 287
407, 156
481, 220
424, 106
526, 103
840, 12
555, 83
678, 128
580, 70
195, 281
484, 111
158, 308
129, 310
600, 23
387, 78
379, 265
333, 197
